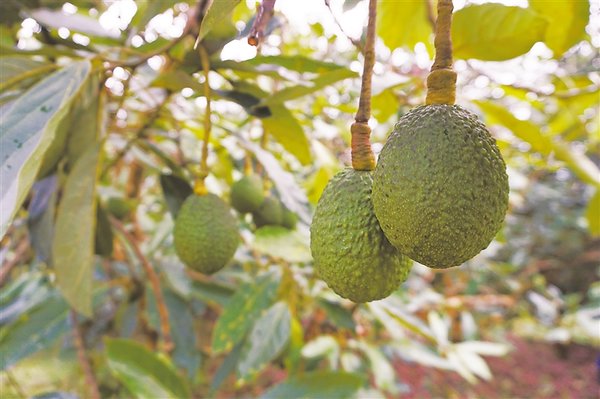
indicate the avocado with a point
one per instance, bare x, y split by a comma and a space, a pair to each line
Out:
289, 219
247, 194
351, 253
270, 213
205, 233
440, 188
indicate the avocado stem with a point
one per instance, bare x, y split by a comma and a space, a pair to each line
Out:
199, 187
441, 82
362, 154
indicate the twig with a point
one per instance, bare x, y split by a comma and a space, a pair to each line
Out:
84, 361
20, 252
12, 381
199, 187
354, 41
263, 16
163, 313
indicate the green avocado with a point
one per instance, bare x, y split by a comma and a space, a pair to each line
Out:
247, 194
205, 234
351, 253
289, 219
440, 188
270, 213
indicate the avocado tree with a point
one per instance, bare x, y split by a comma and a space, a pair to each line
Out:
161, 162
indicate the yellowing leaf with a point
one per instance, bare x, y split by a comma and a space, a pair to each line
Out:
73, 246
592, 214
567, 22
494, 32
403, 23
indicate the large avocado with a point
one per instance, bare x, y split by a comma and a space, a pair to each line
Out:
247, 194
440, 189
205, 233
350, 252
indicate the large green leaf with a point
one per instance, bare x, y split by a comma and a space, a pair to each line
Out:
73, 246
531, 133
26, 130
294, 92
495, 32
247, 304
566, 22
266, 341
216, 13
143, 372
33, 332
403, 23
282, 243
317, 385
284, 127
17, 69
296, 63
592, 214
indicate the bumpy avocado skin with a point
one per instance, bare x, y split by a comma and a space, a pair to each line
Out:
270, 213
247, 194
440, 188
350, 252
205, 233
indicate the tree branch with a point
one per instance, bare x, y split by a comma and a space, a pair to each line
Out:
84, 361
263, 16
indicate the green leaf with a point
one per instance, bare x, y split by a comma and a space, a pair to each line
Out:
73, 246
73, 22
27, 130
87, 113
144, 373
210, 291
103, 237
294, 92
286, 129
296, 63
495, 32
566, 22
216, 13
403, 23
266, 341
338, 315
317, 385
177, 80
226, 368
16, 69
282, 243
592, 214
146, 10
41, 215
175, 190
527, 131
32, 333
242, 310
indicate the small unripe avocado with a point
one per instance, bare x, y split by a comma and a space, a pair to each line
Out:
440, 189
247, 194
120, 207
289, 220
205, 233
270, 213
351, 253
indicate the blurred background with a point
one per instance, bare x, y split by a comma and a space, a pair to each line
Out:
78, 299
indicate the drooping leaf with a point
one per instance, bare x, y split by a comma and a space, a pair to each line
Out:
148, 10
592, 214
42, 210
18, 69
37, 331
393, 18
227, 367
339, 316
87, 121
144, 373
495, 32
73, 22
531, 133
216, 13
73, 246
282, 243
241, 312
176, 190
103, 237
27, 129
566, 22
317, 385
26, 294
284, 127
267, 339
